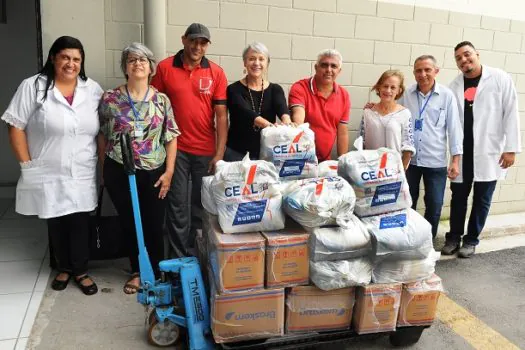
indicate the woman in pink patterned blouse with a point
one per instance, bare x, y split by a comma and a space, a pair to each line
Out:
146, 114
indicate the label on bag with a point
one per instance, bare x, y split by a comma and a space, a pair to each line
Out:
250, 212
386, 194
292, 167
395, 221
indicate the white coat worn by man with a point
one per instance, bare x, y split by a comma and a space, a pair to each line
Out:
488, 106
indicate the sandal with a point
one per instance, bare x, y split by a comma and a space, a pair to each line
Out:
131, 288
87, 290
60, 284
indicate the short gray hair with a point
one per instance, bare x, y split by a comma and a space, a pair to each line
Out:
257, 47
140, 50
330, 53
426, 57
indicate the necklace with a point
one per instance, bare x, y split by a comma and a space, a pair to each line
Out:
251, 97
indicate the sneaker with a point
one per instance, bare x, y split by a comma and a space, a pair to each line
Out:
466, 251
450, 248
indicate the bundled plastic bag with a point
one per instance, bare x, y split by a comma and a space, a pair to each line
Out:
328, 275
328, 168
248, 196
405, 271
402, 235
291, 150
340, 243
319, 201
208, 202
378, 179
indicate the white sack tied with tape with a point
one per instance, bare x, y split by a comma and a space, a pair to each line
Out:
339, 243
378, 179
248, 196
328, 168
402, 235
207, 200
405, 271
320, 201
328, 275
291, 150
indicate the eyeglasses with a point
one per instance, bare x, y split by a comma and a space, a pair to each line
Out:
325, 65
140, 60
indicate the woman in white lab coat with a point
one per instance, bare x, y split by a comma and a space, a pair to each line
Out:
53, 123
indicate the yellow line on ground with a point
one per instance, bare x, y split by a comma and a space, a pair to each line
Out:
472, 329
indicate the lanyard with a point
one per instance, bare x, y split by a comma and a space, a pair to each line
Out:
421, 110
132, 104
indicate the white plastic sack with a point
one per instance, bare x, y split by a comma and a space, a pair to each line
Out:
328, 168
405, 271
291, 150
378, 179
340, 243
248, 196
402, 235
208, 202
320, 201
328, 275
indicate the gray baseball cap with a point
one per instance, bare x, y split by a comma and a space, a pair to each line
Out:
197, 30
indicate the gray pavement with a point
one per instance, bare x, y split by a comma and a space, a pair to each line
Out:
488, 285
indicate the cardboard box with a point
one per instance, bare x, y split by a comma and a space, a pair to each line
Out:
286, 257
419, 302
376, 308
237, 261
245, 316
309, 308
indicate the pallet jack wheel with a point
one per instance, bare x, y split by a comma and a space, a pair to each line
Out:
162, 334
406, 336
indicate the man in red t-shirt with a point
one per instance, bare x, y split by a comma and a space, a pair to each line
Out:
196, 88
322, 103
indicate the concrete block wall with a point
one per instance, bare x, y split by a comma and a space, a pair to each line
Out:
371, 35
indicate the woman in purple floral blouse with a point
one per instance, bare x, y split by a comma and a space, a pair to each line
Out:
146, 114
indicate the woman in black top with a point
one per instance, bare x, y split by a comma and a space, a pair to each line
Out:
254, 104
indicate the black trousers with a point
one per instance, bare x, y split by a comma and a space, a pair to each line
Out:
69, 238
152, 210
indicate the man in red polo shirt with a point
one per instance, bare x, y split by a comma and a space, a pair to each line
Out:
320, 101
196, 88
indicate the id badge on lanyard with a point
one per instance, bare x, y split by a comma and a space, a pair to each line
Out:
419, 121
138, 131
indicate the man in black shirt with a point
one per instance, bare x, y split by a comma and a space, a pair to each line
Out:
487, 101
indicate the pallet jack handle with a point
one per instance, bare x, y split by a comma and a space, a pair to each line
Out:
147, 277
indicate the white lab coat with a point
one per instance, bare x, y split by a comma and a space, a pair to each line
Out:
496, 125
60, 179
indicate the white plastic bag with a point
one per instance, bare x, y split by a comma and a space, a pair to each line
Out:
402, 235
328, 275
320, 201
340, 243
291, 150
378, 179
405, 271
328, 168
248, 196
208, 202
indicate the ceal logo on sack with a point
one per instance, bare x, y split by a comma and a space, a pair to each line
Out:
382, 172
249, 188
292, 148
399, 220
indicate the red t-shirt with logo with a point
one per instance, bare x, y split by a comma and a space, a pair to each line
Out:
323, 114
193, 94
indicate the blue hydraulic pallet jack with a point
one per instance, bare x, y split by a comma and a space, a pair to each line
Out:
163, 295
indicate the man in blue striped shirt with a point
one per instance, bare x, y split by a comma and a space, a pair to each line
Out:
436, 120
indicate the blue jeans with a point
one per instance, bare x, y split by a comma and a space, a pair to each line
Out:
435, 180
483, 192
